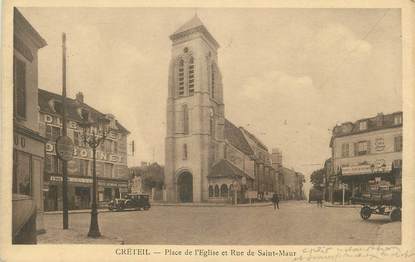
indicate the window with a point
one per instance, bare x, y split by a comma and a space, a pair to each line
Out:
181, 78
210, 191
185, 119
85, 114
50, 163
397, 120
52, 132
216, 190
363, 125
58, 107
114, 147
191, 82
184, 151
107, 194
345, 150
362, 148
398, 143
19, 86
83, 167
397, 163
108, 169
22, 174
76, 138
213, 80
212, 124
224, 190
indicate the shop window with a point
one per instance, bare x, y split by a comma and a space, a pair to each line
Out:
397, 163
398, 143
210, 191
22, 175
216, 191
345, 150
107, 194
19, 86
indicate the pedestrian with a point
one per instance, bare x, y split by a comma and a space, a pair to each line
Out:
320, 199
275, 200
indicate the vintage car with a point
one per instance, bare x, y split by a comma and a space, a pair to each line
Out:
130, 201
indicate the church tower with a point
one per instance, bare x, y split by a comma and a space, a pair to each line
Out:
195, 113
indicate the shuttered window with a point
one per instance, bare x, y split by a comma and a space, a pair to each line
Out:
191, 75
19, 84
180, 78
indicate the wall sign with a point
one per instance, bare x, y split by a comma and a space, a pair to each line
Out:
379, 144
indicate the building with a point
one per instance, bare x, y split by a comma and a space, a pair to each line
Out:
111, 155
367, 151
276, 162
29, 144
206, 156
293, 184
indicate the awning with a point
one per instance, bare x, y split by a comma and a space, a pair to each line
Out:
366, 177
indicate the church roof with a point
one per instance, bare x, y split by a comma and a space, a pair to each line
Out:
191, 26
236, 138
224, 168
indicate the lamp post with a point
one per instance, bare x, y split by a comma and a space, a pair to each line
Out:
93, 134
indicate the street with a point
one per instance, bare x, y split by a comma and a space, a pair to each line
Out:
295, 223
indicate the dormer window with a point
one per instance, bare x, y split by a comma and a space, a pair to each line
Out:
397, 120
58, 107
363, 125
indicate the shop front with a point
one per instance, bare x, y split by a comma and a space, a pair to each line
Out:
80, 192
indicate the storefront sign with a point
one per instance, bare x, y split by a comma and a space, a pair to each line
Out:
356, 170
252, 194
72, 179
64, 148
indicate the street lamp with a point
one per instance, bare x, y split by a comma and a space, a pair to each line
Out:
93, 134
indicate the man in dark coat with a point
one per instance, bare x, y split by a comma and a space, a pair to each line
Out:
275, 200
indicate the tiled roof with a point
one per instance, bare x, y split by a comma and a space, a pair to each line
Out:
255, 139
235, 137
72, 106
224, 168
192, 23
378, 122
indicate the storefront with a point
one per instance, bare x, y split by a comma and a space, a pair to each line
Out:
80, 192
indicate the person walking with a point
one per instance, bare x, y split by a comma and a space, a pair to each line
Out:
275, 200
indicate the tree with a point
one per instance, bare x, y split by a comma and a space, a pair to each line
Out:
317, 178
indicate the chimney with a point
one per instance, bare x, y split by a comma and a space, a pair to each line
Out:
80, 97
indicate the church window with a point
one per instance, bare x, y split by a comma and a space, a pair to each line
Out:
191, 76
210, 191
213, 83
216, 190
212, 124
185, 119
224, 190
181, 78
184, 151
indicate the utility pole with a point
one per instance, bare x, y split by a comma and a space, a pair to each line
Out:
64, 133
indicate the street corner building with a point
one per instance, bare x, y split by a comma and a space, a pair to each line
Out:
111, 155
207, 157
28, 142
365, 153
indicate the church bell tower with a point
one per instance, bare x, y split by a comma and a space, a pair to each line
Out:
195, 113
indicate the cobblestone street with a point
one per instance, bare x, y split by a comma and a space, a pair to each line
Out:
296, 223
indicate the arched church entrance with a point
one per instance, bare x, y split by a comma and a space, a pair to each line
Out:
185, 187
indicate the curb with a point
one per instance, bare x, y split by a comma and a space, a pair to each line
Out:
81, 211
207, 205
341, 206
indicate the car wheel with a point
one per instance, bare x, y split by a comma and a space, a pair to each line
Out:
146, 208
365, 212
396, 214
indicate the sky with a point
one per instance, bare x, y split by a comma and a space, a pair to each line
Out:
289, 75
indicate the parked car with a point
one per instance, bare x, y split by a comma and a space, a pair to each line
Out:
130, 201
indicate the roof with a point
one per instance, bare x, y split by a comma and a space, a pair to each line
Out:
192, 26
224, 168
378, 122
72, 107
254, 139
21, 22
236, 138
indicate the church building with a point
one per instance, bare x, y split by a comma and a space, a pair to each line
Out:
206, 156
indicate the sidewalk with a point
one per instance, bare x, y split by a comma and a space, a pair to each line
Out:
78, 211
75, 236
338, 205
